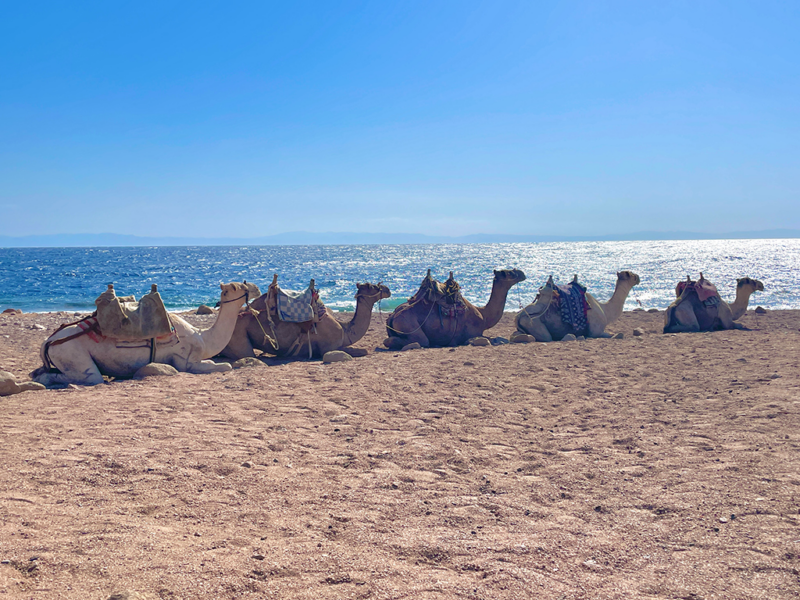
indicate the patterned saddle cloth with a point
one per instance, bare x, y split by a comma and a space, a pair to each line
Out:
705, 290
298, 307
573, 306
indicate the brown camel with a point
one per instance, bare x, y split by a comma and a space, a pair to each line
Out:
438, 315
285, 339
691, 313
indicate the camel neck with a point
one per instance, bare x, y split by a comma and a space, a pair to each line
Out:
739, 306
493, 311
216, 337
613, 308
358, 325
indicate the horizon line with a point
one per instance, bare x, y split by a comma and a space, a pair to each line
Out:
331, 238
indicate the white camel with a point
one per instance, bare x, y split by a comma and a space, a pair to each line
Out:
84, 361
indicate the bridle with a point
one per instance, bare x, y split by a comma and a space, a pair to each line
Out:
246, 297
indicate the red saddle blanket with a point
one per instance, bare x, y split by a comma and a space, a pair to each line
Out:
704, 288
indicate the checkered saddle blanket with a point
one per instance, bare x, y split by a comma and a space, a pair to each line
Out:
295, 307
298, 307
573, 306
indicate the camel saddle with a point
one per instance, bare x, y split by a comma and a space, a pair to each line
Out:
123, 318
447, 296
294, 307
705, 290
570, 299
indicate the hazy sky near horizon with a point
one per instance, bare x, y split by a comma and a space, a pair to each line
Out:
255, 118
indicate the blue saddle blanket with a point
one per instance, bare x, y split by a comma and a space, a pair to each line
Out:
572, 298
296, 307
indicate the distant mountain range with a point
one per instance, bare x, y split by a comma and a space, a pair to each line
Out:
334, 238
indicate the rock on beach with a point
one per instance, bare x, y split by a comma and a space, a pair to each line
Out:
336, 356
9, 385
155, 370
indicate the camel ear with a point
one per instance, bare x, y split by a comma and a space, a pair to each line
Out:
222, 286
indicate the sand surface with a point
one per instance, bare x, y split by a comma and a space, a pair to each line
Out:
660, 466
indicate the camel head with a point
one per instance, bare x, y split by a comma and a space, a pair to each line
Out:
372, 291
509, 277
628, 277
238, 292
745, 282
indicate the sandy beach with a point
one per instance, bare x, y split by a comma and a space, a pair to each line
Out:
655, 466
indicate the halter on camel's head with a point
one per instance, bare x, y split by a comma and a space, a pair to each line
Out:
370, 291
757, 285
248, 288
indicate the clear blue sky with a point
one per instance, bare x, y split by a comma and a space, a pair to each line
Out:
247, 119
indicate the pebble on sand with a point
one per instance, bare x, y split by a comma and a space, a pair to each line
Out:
638, 332
247, 361
521, 338
570, 337
9, 385
356, 352
336, 356
155, 370
127, 595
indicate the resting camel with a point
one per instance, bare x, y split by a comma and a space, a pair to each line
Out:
689, 313
84, 361
542, 319
293, 339
438, 315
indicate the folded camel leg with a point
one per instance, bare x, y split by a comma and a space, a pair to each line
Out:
533, 326
207, 366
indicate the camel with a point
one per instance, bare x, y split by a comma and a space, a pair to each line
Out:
285, 339
437, 315
84, 359
688, 313
542, 319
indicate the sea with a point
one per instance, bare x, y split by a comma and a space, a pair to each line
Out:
69, 279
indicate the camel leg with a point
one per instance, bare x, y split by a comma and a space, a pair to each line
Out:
534, 327
78, 368
683, 319
239, 345
406, 321
597, 324
395, 343
207, 366
725, 317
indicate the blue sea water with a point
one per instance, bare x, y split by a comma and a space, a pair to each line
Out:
51, 279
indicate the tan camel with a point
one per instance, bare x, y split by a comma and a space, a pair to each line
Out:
295, 339
438, 315
542, 318
84, 359
688, 313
